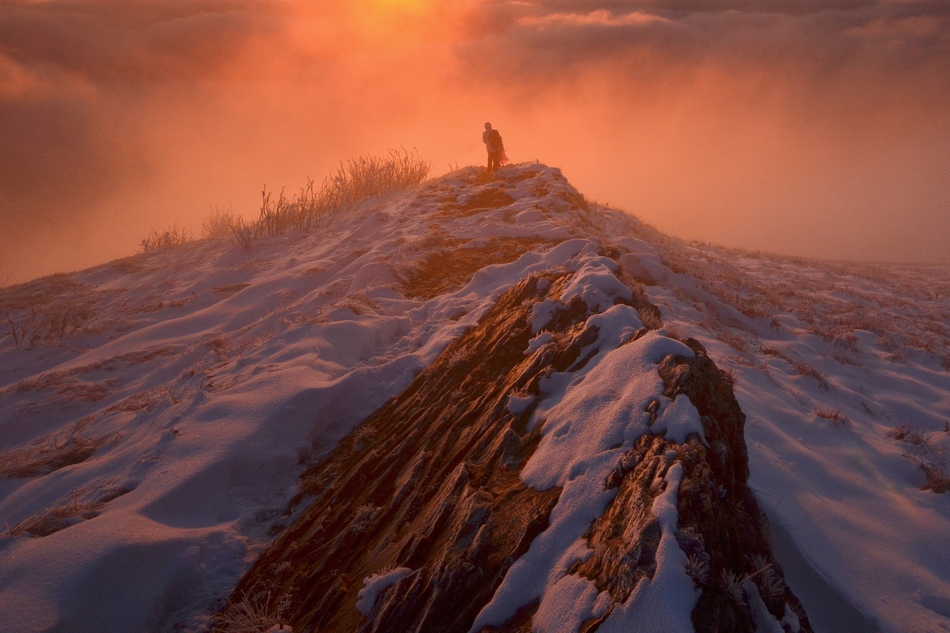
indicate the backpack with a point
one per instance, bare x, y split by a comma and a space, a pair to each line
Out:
494, 137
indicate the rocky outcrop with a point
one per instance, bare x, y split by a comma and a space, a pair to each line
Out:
429, 486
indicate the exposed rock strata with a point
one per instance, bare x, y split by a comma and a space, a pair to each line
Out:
430, 482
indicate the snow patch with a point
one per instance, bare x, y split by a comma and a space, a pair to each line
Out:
375, 585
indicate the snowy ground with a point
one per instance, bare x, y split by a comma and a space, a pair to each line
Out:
844, 373
156, 411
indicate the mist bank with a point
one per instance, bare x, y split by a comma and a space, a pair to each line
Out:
819, 129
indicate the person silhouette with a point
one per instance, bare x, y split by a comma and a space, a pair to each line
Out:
496, 149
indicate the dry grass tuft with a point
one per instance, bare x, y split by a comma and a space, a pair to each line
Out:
731, 585
937, 478
218, 224
50, 453
57, 518
48, 322
253, 615
698, 569
81, 506
356, 180
171, 237
903, 433
833, 415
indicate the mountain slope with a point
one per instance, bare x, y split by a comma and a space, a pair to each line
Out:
155, 412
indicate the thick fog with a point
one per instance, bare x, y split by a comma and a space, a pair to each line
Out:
810, 127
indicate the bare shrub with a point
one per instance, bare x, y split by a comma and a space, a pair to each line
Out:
363, 437
243, 233
218, 224
918, 438
774, 351
171, 237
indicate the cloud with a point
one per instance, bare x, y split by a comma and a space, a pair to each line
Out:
818, 37
729, 121
79, 86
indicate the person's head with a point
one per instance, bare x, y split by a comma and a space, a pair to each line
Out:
488, 126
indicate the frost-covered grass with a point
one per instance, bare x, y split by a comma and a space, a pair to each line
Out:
254, 614
171, 237
358, 179
50, 453
218, 224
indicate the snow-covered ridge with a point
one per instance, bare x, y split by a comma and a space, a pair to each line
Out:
190, 386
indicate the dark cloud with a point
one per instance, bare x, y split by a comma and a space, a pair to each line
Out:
79, 81
542, 41
137, 40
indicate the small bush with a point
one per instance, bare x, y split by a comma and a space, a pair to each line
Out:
172, 237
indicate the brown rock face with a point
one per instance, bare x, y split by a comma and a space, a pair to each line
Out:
430, 482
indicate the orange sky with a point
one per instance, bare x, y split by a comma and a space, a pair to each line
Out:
818, 128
